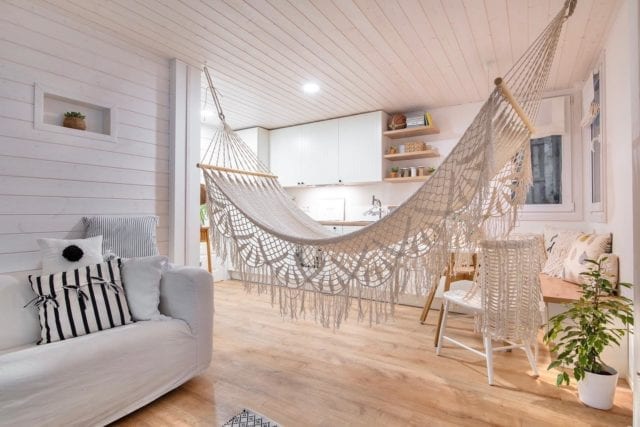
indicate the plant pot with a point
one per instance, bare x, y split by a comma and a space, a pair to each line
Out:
74, 123
393, 174
598, 390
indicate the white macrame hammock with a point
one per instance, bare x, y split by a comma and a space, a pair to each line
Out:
474, 194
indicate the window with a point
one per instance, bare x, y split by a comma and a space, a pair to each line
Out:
546, 165
593, 125
551, 196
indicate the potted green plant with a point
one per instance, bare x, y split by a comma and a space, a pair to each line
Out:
74, 120
394, 172
579, 335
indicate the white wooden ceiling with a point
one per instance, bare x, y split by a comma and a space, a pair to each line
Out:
366, 55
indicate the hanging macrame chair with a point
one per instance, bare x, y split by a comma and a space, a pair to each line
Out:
474, 194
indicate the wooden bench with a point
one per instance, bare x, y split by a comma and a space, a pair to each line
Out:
558, 291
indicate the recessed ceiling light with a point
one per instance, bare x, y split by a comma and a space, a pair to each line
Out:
310, 88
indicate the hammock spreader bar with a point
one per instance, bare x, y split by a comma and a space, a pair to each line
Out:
508, 96
236, 171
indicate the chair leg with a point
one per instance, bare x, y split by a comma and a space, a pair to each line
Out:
532, 361
427, 305
440, 331
488, 352
447, 286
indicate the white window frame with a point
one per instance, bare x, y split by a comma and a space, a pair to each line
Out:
596, 212
565, 211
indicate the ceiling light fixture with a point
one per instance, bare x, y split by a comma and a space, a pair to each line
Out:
311, 88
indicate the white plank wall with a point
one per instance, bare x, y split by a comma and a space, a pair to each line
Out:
49, 181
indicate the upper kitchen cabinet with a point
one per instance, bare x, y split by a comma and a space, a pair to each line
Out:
285, 156
347, 150
360, 148
319, 153
258, 141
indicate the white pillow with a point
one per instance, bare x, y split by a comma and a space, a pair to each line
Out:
64, 255
557, 244
141, 278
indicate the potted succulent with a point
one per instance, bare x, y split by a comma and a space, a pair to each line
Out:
579, 336
74, 120
394, 172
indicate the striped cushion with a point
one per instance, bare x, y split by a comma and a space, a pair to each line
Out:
126, 237
78, 302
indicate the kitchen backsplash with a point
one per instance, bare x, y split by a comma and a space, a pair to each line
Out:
319, 202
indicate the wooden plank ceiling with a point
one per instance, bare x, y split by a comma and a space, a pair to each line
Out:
394, 55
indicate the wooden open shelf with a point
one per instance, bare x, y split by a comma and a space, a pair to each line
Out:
409, 132
408, 179
412, 155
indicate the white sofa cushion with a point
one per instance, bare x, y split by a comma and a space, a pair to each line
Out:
141, 278
97, 378
20, 325
81, 301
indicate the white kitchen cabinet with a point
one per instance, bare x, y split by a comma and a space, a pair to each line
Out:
347, 150
360, 147
257, 139
318, 146
285, 155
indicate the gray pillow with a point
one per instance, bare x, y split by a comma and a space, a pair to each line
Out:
141, 278
125, 236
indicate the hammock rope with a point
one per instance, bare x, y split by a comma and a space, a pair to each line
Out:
474, 194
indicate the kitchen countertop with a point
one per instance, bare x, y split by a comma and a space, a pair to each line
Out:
347, 223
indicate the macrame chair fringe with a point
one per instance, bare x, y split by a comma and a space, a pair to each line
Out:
473, 195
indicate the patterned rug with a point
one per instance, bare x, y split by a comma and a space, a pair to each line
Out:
248, 418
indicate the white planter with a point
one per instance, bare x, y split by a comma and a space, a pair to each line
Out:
597, 390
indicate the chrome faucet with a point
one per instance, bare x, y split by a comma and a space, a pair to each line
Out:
376, 208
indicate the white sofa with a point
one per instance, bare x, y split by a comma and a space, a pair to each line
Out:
97, 378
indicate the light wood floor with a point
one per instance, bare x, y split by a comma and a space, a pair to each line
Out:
301, 374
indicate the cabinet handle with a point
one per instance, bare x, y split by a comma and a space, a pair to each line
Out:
339, 180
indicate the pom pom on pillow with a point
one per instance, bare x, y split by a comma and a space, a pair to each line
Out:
63, 255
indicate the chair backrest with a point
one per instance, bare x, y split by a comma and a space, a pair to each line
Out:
509, 279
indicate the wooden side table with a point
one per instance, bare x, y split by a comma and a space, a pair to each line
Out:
204, 237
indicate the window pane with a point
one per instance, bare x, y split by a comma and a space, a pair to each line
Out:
546, 163
596, 153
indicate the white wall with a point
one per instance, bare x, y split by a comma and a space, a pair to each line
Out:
48, 181
619, 160
634, 53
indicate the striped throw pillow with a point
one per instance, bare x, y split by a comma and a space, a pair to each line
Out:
126, 237
79, 302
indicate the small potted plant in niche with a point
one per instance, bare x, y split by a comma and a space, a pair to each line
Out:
74, 120
579, 336
394, 172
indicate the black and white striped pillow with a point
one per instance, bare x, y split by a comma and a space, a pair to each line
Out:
79, 302
125, 236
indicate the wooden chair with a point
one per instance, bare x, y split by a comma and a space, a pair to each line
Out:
507, 297
453, 273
